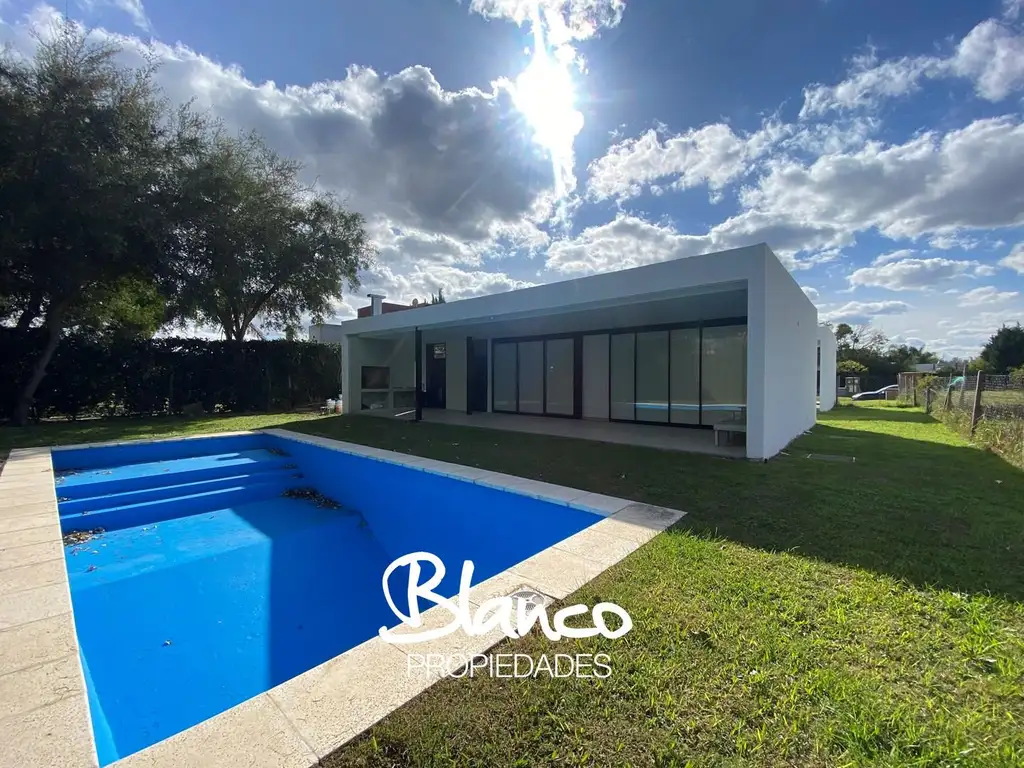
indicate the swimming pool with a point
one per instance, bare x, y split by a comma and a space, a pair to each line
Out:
222, 567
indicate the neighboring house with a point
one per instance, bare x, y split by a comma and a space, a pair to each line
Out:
684, 343
378, 306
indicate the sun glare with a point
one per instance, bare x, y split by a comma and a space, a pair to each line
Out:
545, 96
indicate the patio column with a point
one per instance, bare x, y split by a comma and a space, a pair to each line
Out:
419, 374
469, 371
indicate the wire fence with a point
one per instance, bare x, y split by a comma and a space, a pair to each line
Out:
987, 409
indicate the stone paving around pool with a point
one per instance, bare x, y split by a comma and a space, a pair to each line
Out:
44, 712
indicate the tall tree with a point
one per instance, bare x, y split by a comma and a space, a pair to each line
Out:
85, 145
1005, 350
255, 245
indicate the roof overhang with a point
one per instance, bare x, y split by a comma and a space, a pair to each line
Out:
724, 271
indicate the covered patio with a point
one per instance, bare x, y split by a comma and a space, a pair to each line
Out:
646, 435
667, 355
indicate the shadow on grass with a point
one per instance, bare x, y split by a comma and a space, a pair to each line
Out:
881, 413
930, 513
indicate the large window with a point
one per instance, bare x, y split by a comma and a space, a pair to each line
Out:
652, 376
560, 375
684, 381
535, 376
693, 375
504, 381
531, 377
623, 401
723, 373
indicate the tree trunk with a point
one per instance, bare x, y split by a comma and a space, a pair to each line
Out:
54, 324
29, 313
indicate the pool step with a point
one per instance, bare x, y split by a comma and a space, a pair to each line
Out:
93, 483
103, 501
130, 515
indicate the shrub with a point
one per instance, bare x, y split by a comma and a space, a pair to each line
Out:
91, 374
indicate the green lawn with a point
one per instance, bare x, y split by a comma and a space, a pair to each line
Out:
101, 430
805, 612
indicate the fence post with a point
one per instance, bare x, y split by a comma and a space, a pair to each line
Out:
928, 400
949, 397
913, 389
976, 411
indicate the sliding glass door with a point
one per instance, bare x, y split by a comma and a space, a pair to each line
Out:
531, 377
694, 375
560, 377
652, 377
536, 376
684, 376
723, 385
688, 376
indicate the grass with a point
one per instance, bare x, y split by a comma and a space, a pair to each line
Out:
102, 430
803, 613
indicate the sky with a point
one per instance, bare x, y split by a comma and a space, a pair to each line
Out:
877, 147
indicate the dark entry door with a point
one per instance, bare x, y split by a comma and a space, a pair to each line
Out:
476, 382
435, 395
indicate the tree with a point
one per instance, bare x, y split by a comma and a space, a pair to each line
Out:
85, 150
844, 333
1005, 350
439, 298
255, 245
851, 368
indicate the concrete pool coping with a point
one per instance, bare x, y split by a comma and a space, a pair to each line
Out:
44, 711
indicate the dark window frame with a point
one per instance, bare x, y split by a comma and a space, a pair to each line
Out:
578, 368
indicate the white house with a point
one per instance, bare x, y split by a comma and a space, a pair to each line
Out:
687, 344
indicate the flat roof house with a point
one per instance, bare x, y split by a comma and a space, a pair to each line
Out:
725, 338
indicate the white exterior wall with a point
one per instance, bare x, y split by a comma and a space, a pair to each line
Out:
829, 350
782, 360
781, 333
595, 376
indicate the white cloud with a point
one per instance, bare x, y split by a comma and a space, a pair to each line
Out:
862, 312
1015, 259
811, 293
932, 184
567, 19
955, 240
625, 242
869, 83
714, 155
1012, 8
987, 294
885, 258
991, 56
446, 179
399, 147
631, 241
911, 274
133, 8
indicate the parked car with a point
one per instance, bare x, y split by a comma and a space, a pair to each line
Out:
878, 394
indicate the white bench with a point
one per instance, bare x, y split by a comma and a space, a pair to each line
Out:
730, 425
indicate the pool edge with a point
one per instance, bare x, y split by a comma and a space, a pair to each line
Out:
45, 702
307, 718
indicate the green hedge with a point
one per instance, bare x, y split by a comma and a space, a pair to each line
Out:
97, 375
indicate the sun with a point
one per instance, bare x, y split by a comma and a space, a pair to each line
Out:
545, 95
